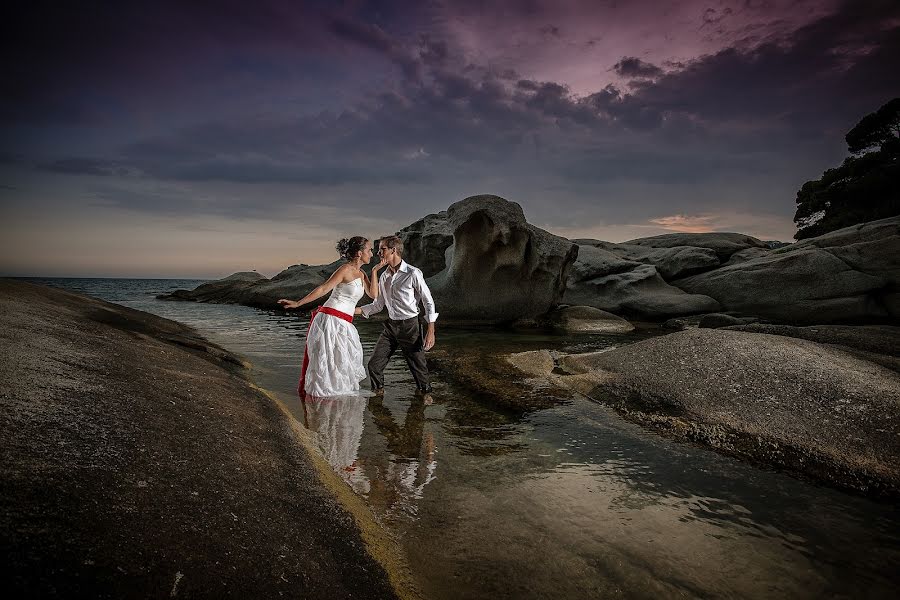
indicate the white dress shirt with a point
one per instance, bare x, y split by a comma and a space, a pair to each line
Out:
399, 292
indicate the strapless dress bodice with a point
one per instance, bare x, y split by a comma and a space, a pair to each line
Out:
344, 296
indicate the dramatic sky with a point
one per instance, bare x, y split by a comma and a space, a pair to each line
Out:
199, 138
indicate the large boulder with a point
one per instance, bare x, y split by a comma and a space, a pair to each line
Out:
723, 244
631, 279
222, 291
823, 410
587, 319
499, 267
638, 293
426, 241
252, 289
716, 320
745, 255
481, 259
595, 261
294, 282
670, 263
878, 343
849, 275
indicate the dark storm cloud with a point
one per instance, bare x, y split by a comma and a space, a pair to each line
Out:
10, 158
90, 166
731, 113
826, 75
62, 58
550, 31
268, 171
434, 53
712, 16
632, 67
373, 37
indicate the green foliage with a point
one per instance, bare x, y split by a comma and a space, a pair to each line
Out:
865, 187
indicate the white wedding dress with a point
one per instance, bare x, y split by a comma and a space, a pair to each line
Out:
335, 354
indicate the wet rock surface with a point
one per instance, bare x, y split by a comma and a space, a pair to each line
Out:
137, 461
492, 379
821, 410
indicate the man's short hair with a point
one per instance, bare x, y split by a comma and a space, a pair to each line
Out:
393, 242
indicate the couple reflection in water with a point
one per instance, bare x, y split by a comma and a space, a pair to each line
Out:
396, 479
332, 370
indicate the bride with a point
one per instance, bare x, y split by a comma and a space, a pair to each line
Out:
333, 360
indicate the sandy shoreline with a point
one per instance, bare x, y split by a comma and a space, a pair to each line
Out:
137, 461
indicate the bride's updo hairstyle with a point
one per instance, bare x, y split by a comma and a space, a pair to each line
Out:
348, 248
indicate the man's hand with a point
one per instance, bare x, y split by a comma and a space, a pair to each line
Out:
358, 311
429, 337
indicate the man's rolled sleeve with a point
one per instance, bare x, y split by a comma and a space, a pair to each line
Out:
375, 307
425, 296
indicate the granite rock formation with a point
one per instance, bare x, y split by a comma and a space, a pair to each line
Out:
499, 267
849, 275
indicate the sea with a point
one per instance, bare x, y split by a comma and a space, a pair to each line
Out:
569, 501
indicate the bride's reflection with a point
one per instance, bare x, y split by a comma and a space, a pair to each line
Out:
393, 480
338, 423
411, 457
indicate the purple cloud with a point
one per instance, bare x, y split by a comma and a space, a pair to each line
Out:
634, 68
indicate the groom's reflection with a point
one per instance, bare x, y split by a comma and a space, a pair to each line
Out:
411, 457
405, 441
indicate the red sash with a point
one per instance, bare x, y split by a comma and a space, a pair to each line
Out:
328, 311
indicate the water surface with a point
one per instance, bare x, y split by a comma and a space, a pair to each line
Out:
566, 502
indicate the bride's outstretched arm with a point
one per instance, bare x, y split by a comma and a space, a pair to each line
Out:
336, 278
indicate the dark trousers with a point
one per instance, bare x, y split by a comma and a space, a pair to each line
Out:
406, 335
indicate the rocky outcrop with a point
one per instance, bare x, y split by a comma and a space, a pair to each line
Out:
426, 241
631, 279
670, 263
723, 244
716, 320
482, 260
825, 411
876, 343
221, 290
294, 282
638, 293
851, 275
586, 319
132, 448
745, 255
252, 289
499, 267
848, 275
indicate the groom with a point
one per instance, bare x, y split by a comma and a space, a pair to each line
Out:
400, 287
